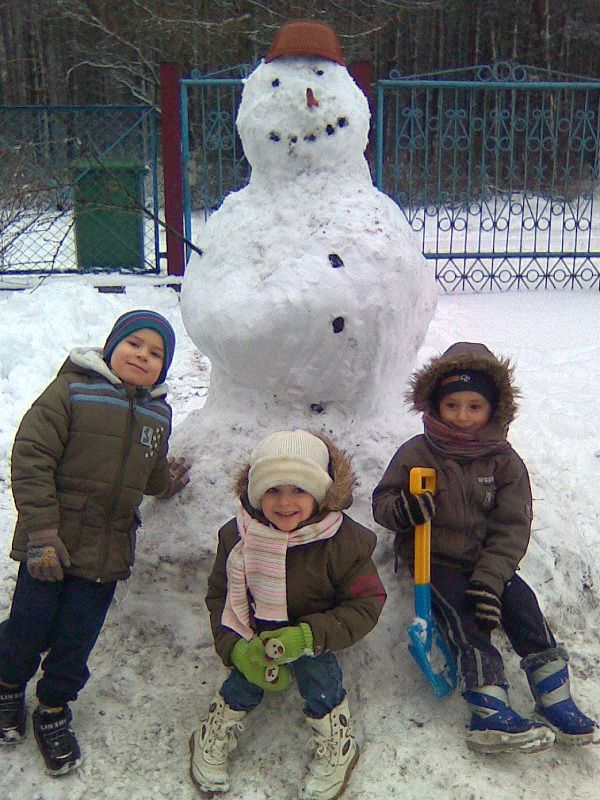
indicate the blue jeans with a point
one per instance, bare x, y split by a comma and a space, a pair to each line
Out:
319, 680
479, 662
59, 618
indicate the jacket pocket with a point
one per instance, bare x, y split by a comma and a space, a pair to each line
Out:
486, 494
72, 510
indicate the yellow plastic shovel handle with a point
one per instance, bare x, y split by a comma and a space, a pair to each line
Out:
421, 480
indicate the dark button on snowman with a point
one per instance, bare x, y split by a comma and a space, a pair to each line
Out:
311, 297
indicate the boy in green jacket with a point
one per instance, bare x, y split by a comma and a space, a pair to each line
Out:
293, 582
481, 522
86, 452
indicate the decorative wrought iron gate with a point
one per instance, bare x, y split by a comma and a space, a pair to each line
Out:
497, 168
213, 158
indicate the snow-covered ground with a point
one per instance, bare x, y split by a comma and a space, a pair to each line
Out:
154, 669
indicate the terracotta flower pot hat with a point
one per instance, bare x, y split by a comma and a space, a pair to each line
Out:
306, 38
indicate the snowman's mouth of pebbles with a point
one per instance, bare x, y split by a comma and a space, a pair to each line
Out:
311, 136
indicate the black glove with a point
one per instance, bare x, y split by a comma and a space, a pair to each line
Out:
415, 509
486, 605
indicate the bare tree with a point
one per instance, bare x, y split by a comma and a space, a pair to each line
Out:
103, 51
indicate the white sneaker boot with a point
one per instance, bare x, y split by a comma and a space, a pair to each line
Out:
335, 755
210, 745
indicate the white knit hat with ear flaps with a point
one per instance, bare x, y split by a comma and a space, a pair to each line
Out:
289, 458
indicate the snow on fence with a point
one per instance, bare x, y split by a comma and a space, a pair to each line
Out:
79, 189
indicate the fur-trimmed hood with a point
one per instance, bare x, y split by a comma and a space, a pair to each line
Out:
466, 355
339, 495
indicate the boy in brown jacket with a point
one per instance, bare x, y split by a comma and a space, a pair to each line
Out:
86, 452
481, 522
293, 582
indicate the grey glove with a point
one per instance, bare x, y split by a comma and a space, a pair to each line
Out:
178, 476
46, 555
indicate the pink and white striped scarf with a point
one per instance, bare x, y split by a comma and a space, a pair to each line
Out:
257, 565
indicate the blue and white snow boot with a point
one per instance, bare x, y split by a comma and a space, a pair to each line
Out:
548, 676
496, 728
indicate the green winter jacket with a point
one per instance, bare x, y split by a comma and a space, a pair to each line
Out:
332, 585
84, 455
482, 520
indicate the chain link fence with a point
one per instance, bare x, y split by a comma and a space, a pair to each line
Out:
79, 189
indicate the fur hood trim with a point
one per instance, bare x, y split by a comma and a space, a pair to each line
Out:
339, 495
466, 355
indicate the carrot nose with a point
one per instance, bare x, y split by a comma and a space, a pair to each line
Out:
311, 100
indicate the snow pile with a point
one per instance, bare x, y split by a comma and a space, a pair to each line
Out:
154, 669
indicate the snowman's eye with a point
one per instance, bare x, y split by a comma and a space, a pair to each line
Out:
275, 82
318, 72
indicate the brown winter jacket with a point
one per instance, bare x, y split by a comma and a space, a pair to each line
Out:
483, 507
84, 455
332, 585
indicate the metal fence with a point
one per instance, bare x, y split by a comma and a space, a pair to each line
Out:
497, 168
79, 189
214, 163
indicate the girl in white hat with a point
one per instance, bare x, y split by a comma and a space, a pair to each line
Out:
293, 582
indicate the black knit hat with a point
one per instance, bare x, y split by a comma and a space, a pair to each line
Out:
466, 380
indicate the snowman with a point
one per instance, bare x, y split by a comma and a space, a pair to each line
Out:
311, 296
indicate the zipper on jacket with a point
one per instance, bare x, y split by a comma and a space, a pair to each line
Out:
456, 468
117, 484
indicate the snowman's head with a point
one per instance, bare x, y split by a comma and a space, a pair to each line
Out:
302, 114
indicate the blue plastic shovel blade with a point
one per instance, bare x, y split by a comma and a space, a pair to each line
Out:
429, 649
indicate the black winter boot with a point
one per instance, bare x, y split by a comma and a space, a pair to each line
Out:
56, 740
12, 714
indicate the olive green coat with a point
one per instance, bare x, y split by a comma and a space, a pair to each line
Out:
483, 512
84, 455
332, 584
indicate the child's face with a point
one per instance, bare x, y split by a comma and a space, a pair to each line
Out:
139, 357
286, 507
465, 410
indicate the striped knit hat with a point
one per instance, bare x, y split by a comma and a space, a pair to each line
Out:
135, 321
